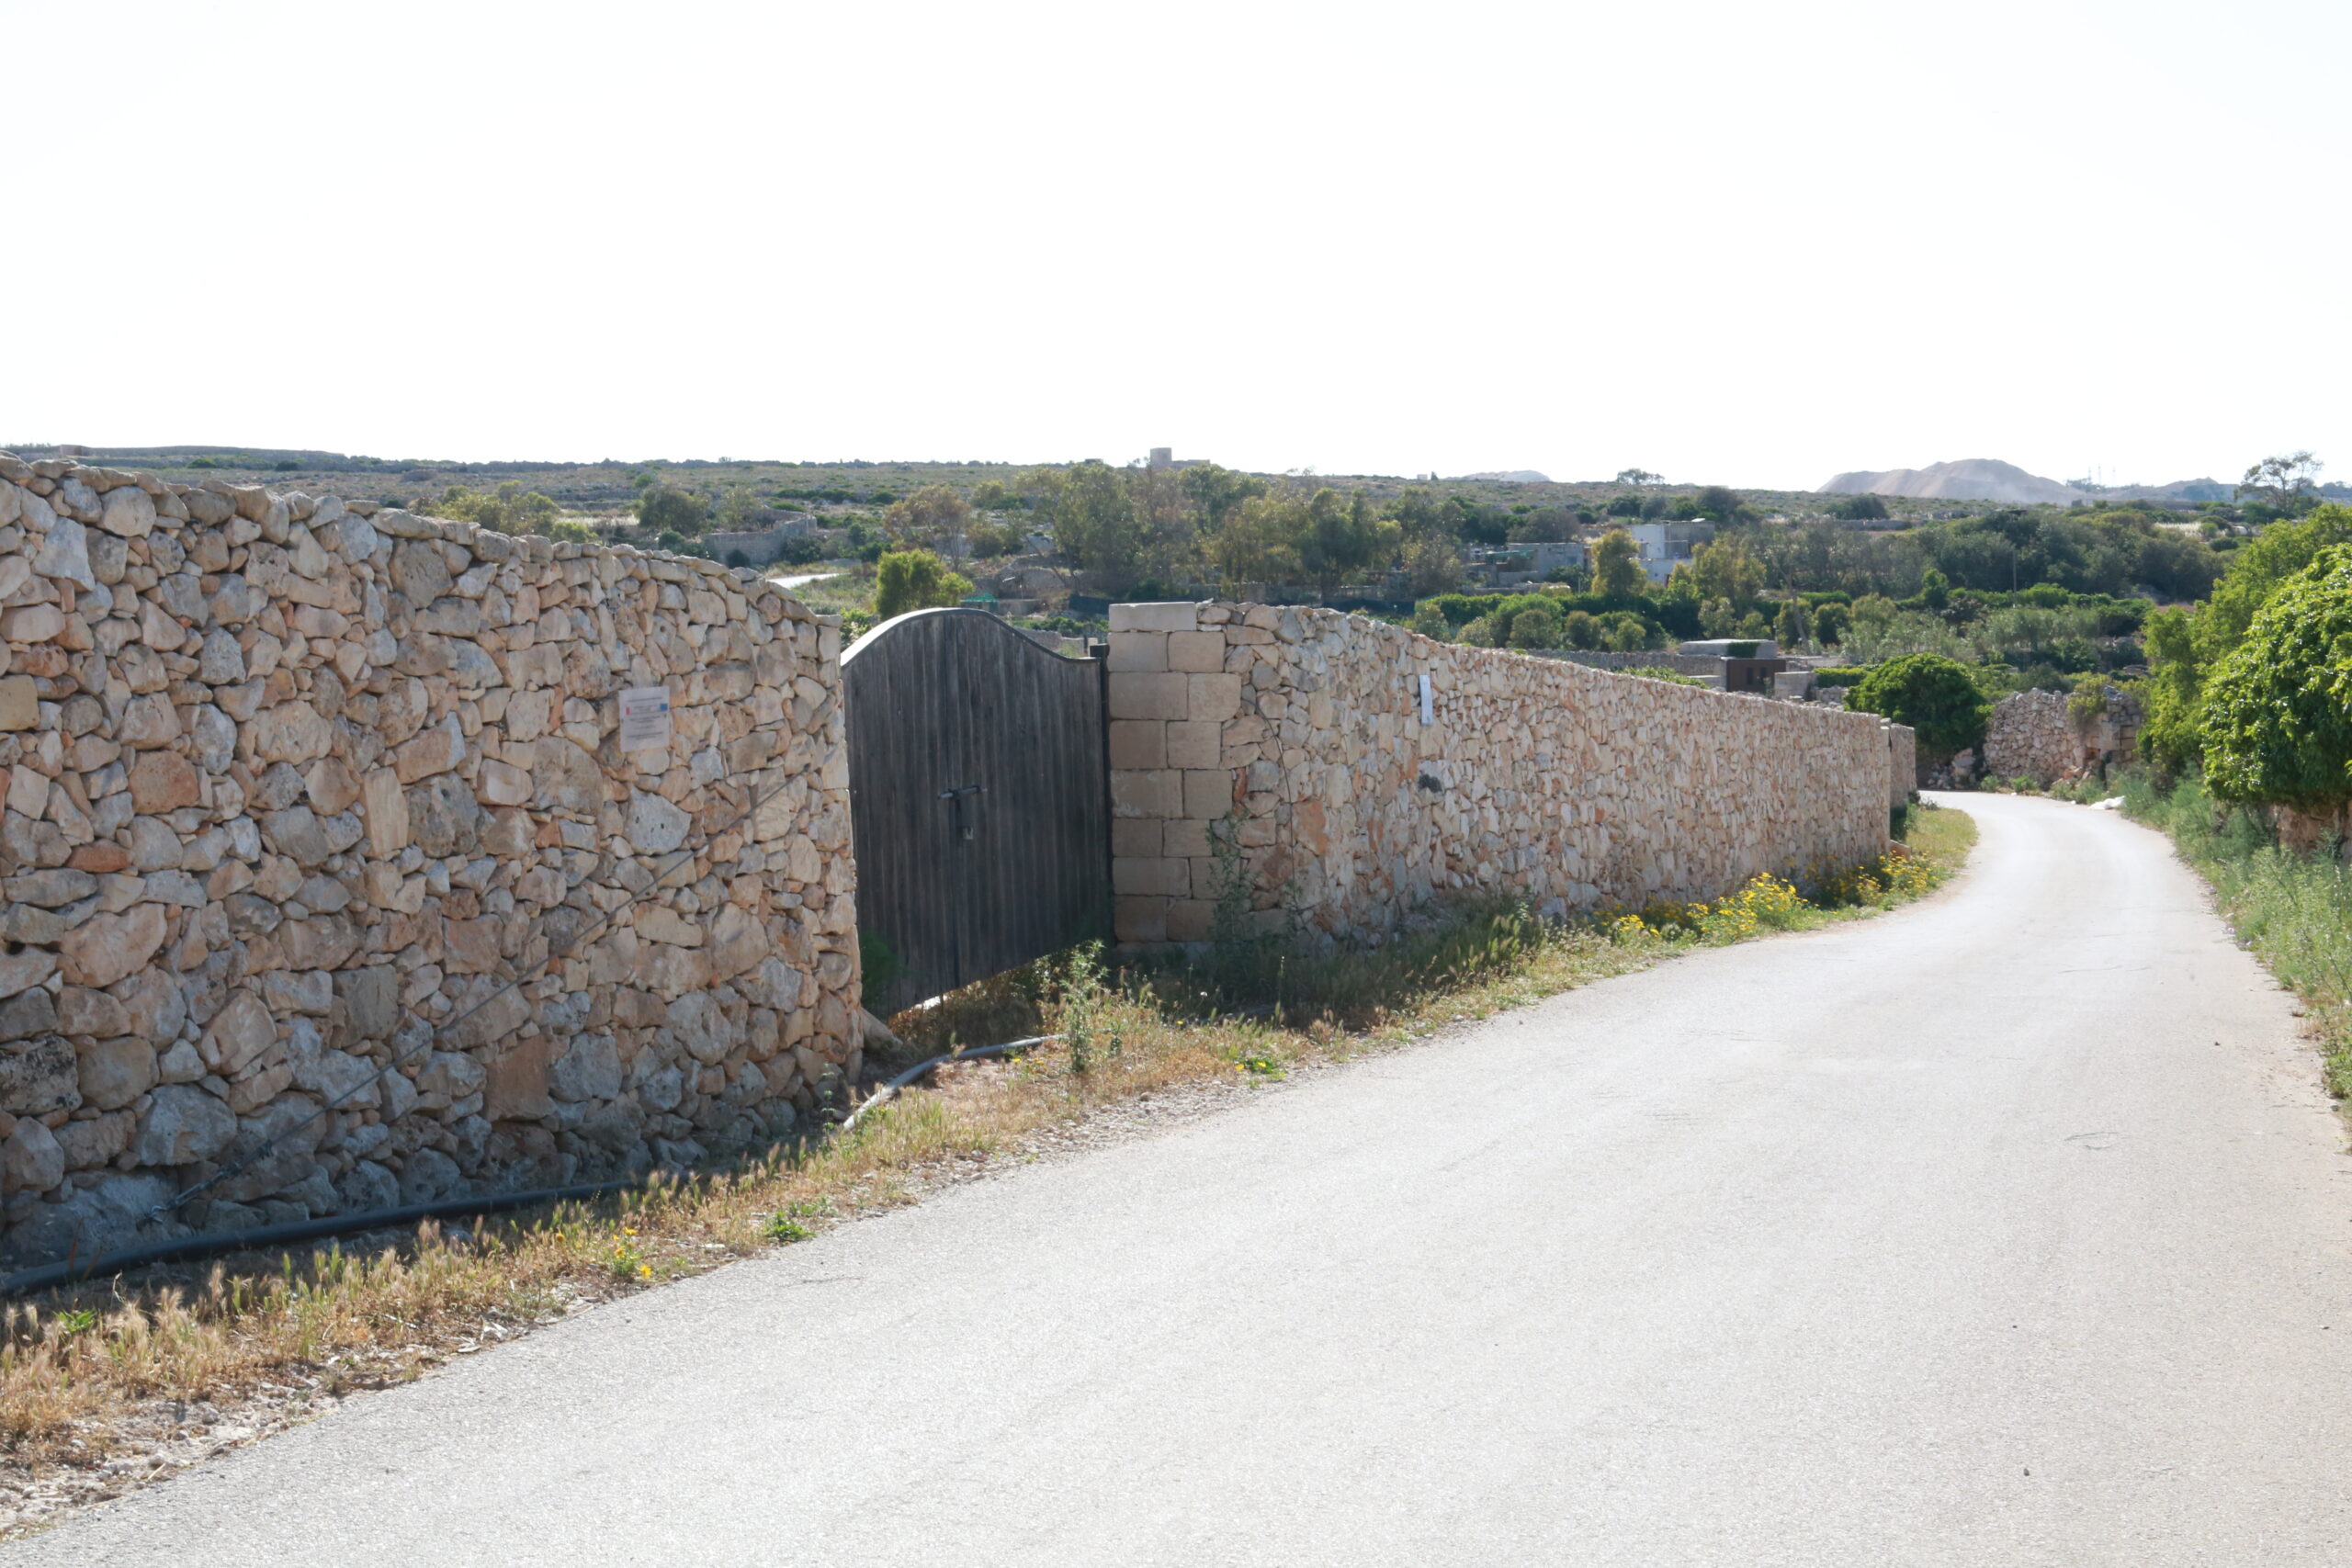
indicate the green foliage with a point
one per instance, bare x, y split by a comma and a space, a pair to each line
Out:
660, 508
878, 964
1538, 625
1858, 509
905, 581
2278, 711
509, 509
1659, 673
1617, 565
1933, 695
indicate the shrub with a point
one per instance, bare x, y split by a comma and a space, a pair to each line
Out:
662, 509
1841, 675
914, 579
1536, 627
1933, 695
2278, 714
509, 509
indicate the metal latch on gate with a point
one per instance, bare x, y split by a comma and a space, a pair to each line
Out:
958, 795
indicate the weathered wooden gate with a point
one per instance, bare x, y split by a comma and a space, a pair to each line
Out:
979, 794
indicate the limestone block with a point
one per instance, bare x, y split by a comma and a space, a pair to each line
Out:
1191, 919
1134, 743
1134, 875
1196, 652
1139, 918
1194, 743
1138, 653
383, 806
1213, 696
1155, 617
19, 703
1135, 836
1151, 696
1147, 792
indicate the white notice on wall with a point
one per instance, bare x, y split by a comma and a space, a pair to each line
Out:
1428, 701
645, 719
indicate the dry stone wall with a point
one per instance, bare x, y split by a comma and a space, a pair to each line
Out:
2035, 734
294, 787
1355, 799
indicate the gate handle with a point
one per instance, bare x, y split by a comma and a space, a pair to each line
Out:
958, 795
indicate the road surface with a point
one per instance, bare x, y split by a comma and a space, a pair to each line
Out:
2008, 1229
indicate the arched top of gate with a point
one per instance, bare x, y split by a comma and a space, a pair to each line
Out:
886, 629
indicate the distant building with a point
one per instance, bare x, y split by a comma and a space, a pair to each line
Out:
1665, 546
1163, 456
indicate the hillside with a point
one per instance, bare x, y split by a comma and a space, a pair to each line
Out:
1989, 479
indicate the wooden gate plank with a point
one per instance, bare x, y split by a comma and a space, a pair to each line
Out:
944, 700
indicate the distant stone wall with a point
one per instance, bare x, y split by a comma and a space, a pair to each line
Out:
295, 786
2036, 735
1531, 778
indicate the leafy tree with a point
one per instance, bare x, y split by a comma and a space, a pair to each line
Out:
737, 509
661, 509
1789, 628
1617, 565
1342, 539
1726, 571
2186, 647
2286, 484
1933, 695
1091, 517
1625, 506
1217, 492
2279, 712
1859, 509
990, 495
1538, 625
1722, 503
1415, 513
933, 514
1639, 477
1829, 622
914, 579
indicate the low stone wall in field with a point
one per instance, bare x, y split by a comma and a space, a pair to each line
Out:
295, 788
1369, 770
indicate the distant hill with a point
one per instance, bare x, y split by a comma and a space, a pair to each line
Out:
1989, 479
1511, 476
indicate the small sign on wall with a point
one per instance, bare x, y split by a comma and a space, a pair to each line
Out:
645, 719
1428, 701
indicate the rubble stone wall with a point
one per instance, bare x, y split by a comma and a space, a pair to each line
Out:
1536, 778
2035, 734
294, 786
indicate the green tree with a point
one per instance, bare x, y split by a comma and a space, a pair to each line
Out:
1789, 628
1217, 492
1724, 570
2286, 484
2278, 711
1087, 510
1617, 565
1829, 625
662, 509
1933, 695
934, 514
914, 579
1342, 540
1538, 625
1258, 541
1859, 509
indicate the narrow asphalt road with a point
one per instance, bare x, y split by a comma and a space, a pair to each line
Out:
2010, 1228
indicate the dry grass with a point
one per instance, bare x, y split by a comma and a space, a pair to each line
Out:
107, 1384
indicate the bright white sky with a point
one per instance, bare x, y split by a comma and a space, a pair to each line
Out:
1731, 243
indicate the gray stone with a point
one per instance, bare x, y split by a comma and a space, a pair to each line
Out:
444, 817
38, 1076
654, 826
699, 1025
564, 777
367, 1186
590, 1069
181, 1063
279, 1140
371, 1001
420, 573
33, 1013
66, 554
222, 663
30, 1160
183, 1125
428, 1175
115, 1072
